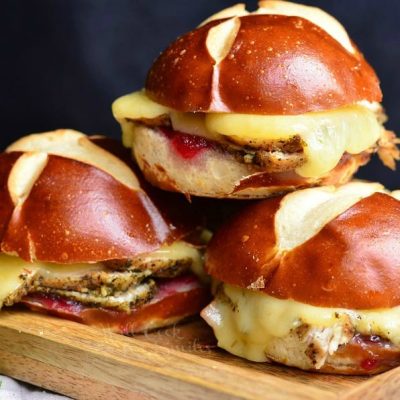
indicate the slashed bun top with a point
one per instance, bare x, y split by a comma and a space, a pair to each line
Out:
65, 198
282, 59
327, 246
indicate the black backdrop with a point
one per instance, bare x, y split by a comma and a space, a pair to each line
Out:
64, 61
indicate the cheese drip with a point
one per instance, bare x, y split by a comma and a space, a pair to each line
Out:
137, 105
326, 135
247, 326
15, 273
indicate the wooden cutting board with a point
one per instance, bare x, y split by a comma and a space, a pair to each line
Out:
176, 363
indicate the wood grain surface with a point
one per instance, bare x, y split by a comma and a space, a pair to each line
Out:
181, 362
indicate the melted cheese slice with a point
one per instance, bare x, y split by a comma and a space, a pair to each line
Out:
14, 276
15, 273
178, 251
248, 325
326, 135
137, 106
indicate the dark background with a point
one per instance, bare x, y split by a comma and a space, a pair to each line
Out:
63, 62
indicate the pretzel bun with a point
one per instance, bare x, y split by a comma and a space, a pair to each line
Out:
263, 63
65, 199
321, 254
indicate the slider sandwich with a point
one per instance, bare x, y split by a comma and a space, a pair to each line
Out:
311, 280
252, 104
82, 238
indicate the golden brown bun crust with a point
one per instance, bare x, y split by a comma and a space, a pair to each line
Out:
276, 65
76, 212
351, 263
182, 216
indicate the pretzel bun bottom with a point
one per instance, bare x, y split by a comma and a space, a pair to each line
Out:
217, 174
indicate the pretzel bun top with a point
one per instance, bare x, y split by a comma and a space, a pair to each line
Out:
327, 246
64, 198
283, 59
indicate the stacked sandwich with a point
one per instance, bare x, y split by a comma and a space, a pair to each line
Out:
82, 238
280, 104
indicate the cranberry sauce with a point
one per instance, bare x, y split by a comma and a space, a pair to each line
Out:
186, 145
375, 353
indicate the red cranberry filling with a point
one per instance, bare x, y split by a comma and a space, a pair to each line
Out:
187, 146
369, 364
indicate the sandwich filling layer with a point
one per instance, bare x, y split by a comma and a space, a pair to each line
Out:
176, 298
312, 144
119, 285
260, 328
